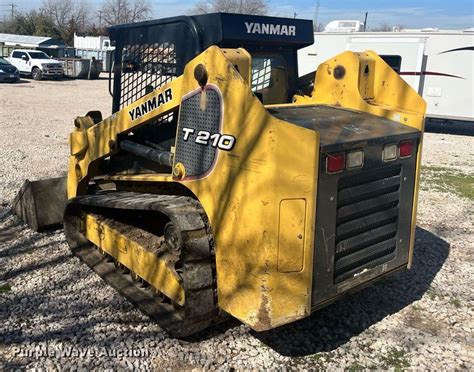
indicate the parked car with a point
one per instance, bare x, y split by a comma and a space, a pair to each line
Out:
8, 72
36, 64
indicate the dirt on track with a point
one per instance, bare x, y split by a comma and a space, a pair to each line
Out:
52, 306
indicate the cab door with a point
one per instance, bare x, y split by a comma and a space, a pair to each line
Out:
21, 61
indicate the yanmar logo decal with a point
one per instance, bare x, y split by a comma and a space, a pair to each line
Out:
270, 29
151, 104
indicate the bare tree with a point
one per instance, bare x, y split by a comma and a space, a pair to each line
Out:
257, 7
69, 16
115, 12
60, 11
84, 13
318, 27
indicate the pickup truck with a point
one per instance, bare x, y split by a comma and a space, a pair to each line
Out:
36, 64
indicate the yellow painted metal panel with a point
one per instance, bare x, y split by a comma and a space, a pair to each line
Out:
242, 195
291, 235
366, 78
415, 204
135, 257
393, 98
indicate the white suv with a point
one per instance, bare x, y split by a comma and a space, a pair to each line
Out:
35, 63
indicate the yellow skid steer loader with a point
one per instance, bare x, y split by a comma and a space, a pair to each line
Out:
224, 184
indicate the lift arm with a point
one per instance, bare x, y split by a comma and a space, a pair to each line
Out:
91, 142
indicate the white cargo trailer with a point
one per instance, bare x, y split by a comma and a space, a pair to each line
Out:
98, 47
92, 42
438, 64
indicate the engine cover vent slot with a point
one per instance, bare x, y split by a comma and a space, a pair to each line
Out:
367, 221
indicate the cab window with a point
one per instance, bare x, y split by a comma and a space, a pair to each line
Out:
270, 78
39, 55
18, 54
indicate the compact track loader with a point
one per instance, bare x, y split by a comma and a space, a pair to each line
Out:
224, 184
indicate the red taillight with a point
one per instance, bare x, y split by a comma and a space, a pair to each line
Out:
335, 163
406, 149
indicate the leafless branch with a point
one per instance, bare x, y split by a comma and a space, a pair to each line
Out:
115, 12
257, 7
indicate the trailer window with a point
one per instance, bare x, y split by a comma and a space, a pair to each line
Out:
347, 24
270, 78
395, 62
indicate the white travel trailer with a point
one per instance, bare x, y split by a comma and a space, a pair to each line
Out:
438, 64
344, 26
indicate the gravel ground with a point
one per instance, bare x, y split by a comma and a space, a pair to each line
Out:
56, 314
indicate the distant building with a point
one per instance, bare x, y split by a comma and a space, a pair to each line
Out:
51, 46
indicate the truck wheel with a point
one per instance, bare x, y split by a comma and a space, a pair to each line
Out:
36, 73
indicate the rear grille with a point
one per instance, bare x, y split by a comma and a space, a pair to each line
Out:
367, 220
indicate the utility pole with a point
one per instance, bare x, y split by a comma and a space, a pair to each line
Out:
13, 9
316, 16
365, 21
100, 18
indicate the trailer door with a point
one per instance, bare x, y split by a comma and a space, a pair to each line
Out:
404, 54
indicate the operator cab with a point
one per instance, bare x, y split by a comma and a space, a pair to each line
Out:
270, 78
152, 53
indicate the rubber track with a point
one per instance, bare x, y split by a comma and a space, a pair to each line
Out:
197, 256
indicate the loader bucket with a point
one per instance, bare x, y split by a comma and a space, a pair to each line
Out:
40, 204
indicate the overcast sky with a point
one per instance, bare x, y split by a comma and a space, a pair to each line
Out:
448, 14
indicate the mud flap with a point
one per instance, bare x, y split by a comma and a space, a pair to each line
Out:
40, 204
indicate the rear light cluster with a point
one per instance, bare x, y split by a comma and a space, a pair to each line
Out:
393, 151
336, 163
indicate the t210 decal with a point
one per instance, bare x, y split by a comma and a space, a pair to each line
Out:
221, 141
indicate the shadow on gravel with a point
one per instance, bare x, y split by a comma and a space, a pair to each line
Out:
325, 330
54, 309
10, 231
21, 81
330, 327
461, 128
